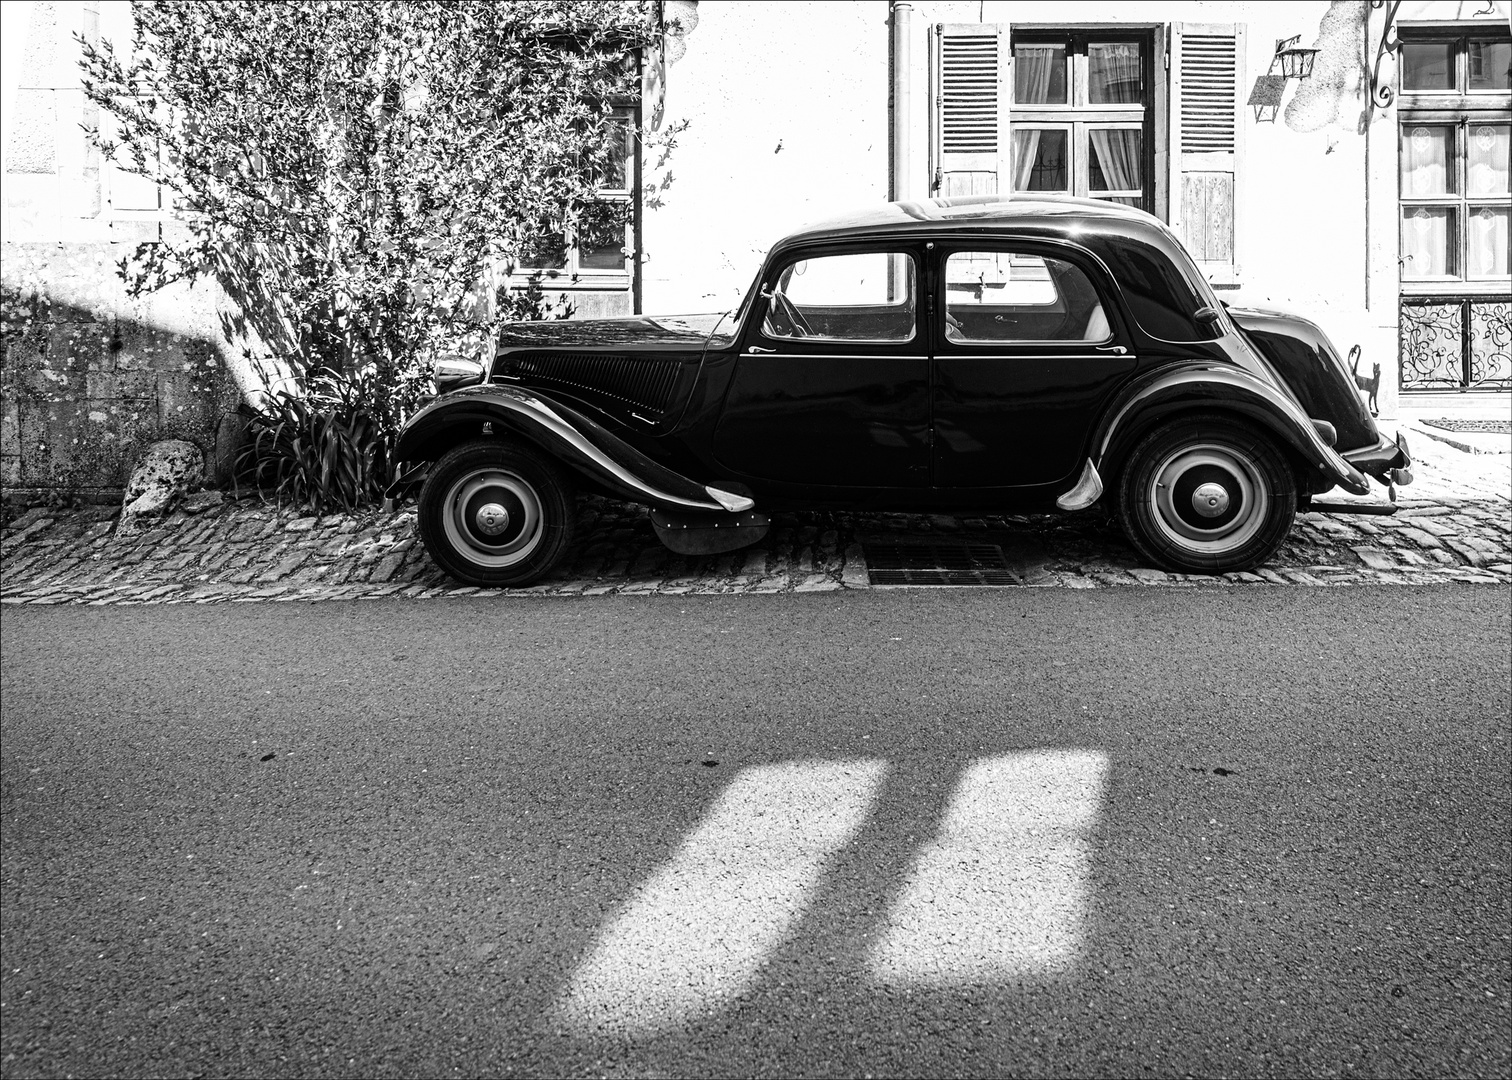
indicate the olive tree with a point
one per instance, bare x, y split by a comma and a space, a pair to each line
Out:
352, 171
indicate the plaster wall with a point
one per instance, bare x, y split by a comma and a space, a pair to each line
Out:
788, 123
1316, 209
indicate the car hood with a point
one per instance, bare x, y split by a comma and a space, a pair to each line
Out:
633, 333
1302, 355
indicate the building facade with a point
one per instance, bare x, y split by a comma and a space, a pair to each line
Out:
1369, 192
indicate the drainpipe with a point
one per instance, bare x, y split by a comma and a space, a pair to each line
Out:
901, 17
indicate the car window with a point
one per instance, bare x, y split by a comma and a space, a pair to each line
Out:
861, 297
1164, 293
996, 296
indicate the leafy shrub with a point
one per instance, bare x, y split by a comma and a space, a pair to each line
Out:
317, 445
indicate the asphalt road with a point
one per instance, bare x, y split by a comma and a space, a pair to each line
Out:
1034, 832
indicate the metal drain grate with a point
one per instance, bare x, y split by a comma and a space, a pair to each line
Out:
938, 564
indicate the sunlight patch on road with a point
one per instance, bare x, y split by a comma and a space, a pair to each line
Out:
1000, 889
698, 932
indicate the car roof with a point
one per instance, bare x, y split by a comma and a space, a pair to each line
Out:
977, 213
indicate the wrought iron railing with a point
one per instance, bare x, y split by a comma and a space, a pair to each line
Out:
1456, 344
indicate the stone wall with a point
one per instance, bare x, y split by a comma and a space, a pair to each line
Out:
89, 378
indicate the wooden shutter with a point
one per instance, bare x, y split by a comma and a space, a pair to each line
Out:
1207, 133
969, 74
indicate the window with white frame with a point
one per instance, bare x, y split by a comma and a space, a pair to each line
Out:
1081, 116
596, 251
1454, 168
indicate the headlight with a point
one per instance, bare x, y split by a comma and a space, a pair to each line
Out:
453, 372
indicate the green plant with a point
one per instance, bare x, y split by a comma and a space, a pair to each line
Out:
316, 443
354, 173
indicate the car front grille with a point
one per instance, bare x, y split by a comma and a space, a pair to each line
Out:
636, 380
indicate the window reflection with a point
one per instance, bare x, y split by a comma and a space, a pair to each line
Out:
1490, 65
1427, 65
1114, 73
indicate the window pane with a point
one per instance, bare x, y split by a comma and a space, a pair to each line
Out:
601, 236
1039, 160
547, 250
1490, 65
997, 296
1114, 73
1490, 158
866, 297
612, 169
1428, 241
1039, 74
1428, 65
1117, 160
1486, 241
1428, 160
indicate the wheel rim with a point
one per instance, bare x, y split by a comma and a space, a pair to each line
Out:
493, 518
1210, 499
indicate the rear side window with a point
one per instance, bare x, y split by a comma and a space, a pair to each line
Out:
1161, 297
1001, 296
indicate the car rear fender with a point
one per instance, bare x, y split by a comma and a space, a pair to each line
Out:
1168, 393
583, 445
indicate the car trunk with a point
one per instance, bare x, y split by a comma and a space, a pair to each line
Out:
1304, 357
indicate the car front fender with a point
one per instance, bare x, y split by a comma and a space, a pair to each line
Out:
1169, 392
582, 444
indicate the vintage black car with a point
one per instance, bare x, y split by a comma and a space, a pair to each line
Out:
956, 355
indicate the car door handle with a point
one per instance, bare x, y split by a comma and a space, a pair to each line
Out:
1116, 350
759, 349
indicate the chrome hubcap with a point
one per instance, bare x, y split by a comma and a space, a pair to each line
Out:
492, 519
1210, 500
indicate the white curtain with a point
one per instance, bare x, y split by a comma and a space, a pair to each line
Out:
1490, 158
1025, 154
1425, 160
1034, 69
1425, 241
1118, 154
1487, 234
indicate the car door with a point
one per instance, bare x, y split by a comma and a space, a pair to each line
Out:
1027, 350
831, 387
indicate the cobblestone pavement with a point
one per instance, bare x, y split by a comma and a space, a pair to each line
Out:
244, 551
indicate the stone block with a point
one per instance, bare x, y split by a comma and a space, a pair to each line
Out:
187, 405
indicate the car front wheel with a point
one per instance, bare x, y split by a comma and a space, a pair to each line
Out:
1207, 494
496, 514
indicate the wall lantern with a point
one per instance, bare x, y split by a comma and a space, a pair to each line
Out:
1294, 62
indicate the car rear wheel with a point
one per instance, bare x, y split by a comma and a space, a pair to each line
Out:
496, 514
1207, 494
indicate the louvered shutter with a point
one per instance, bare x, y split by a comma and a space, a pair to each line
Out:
969, 69
1207, 132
